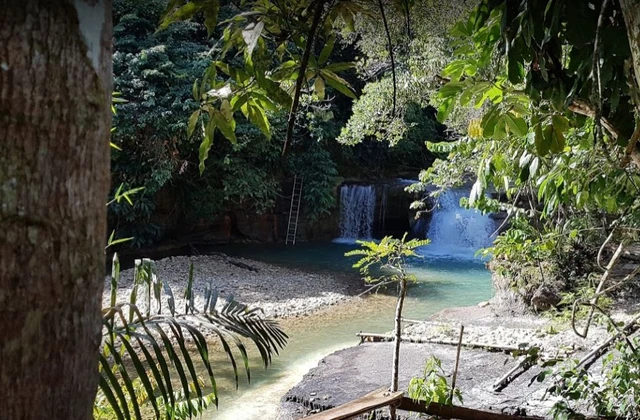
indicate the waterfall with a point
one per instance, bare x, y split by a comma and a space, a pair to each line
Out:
455, 231
357, 210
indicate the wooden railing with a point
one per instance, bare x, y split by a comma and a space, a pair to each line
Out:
382, 398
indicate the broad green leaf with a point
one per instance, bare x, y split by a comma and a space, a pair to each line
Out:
211, 11
286, 70
184, 12
445, 109
489, 121
193, 120
225, 126
318, 87
517, 125
500, 130
194, 90
335, 67
555, 138
327, 49
255, 113
454, 70
541, 141
450, 89
338, 83
205, 145
227, 110
276, 94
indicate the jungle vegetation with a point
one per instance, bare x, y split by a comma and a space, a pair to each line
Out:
227, 99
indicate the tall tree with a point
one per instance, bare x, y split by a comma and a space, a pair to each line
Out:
55, 90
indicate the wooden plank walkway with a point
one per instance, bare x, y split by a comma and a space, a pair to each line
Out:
372, 401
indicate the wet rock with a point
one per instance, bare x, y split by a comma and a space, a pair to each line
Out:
544, 298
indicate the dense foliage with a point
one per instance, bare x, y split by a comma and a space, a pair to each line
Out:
167, 118
544, 94
148, 368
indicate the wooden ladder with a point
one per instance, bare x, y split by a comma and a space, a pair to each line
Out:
294, 210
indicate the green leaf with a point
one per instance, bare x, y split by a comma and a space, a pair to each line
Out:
450, 89
193, 120
489, 121
184, 12
276, 93
541, 141
211, 11
226, 127
194, 90
114, 146
327, 49
205, 145
445, 109
256, 114
338, 83
336, 67
517, 125
555, 138
318, 87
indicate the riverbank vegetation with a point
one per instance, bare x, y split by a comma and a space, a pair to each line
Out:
226, 101
152, 357
193, 177
549, 97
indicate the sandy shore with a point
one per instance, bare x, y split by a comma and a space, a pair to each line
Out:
281, 292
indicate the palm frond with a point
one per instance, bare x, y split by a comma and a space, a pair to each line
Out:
147, 363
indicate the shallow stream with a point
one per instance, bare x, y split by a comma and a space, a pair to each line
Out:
443, 282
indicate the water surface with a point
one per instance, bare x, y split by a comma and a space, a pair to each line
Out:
443, 282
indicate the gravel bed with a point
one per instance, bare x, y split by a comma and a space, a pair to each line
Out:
486, 328
281, 292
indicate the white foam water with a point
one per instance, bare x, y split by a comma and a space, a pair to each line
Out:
456, 232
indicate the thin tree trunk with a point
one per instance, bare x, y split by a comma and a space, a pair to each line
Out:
55, 86
397, 340
398, 335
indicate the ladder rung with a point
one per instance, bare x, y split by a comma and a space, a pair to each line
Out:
294, 209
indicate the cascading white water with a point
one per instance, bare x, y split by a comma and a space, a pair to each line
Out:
455, 231
357, 210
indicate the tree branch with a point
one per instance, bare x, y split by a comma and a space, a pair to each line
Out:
317, 16
393, 63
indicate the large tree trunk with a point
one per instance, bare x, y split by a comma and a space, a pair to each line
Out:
55, 85
631, 12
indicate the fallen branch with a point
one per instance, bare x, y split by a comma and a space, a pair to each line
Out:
595, 354
594, 300
524, 365
381, 338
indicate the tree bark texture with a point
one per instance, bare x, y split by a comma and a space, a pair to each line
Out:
398, 334
55, 90
396, 342
631, 13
